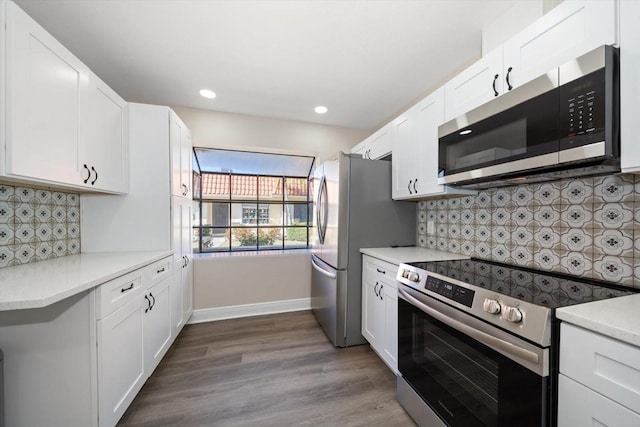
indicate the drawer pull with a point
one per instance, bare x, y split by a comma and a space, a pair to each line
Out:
160, 271
123, 290
381, 271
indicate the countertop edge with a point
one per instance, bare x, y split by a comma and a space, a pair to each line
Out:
400, 255
48, 300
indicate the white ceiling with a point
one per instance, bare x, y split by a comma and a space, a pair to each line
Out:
364, 59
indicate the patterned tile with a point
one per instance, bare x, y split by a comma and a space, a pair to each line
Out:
501, 235
547, 216
546, 259
73, 214
422, 229
442, 230
501, 198
522, 236
500, 253
576, 240
614, 269
43, 196
467, 217
501, 216
431, 204
422, 241
6, 192
483, 217
59, 232
73, 200
483, 234
522, 256
453, 203
25, 195
25, 233
576, 263
548, 238
42, 213
482, 250
6, 213
453, 217
454, 231
613, 242
483, 200
547, 193
454, 246
43, 232
24, 254
613, 215
522, 216
576, 216
422, 217
24, 213
442, 204
614, 188
576, 191
6, 256
467, 232
6, 235
43, 251
73, 246
59, 199
468, 202
59, 214
522, 195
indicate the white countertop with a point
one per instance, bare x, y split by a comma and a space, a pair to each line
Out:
617, 318
43, 283
401, 255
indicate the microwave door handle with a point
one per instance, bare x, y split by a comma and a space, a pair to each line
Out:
322, 270
484, 338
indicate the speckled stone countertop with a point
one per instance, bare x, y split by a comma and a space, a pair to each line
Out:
43, 283
617, 318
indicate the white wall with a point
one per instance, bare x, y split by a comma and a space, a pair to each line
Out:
230, 130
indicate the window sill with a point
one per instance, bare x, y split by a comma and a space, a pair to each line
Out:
273, 253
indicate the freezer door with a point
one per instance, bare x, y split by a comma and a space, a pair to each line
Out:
329, 300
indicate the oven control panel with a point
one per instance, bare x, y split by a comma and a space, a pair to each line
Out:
451, 291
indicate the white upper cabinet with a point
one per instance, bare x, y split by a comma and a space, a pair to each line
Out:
58, 116
181, 157
46, 96
376, 146
568, 31
415, 151
104, 152
571, 29
629, 85
476, 85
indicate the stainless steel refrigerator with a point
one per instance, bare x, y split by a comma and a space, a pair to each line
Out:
353, 210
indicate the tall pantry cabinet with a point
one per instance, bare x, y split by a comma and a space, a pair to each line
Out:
156, 214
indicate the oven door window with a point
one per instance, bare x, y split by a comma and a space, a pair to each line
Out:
463, 381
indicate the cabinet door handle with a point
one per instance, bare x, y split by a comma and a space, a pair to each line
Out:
154, 301
495, 79
160, 270
123, 290
148, 304
375, 289
409, 186
381, 271
85, 180
507, 78
95, 172
187, 258
186, 189
380, 292
414, 186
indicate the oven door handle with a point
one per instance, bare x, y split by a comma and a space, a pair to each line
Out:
484, 338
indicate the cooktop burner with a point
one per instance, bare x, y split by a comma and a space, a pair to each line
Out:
537, 287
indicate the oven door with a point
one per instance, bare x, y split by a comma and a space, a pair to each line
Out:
464, 381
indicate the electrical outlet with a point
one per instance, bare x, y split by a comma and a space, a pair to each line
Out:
430, 227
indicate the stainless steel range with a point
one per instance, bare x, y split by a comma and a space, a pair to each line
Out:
477, 341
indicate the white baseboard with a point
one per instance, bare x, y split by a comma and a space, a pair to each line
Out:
247, 310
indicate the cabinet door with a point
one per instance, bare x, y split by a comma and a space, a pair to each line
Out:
476, 85
581, 406
370, 328
179, 263
362, 149
186, 161
181, 157
629, 85
121, 372
404, 161
380, 143
571, 29
390, 345
187, 271
104, 152
46, 98
157, 324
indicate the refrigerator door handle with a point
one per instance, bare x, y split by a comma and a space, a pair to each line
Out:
322, 210
322, 270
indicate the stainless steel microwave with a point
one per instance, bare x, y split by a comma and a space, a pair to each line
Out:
563, 124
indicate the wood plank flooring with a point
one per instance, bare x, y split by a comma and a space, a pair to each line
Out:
276, 370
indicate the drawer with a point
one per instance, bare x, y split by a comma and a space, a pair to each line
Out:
381, 269
159, 270
608, 366
116, 293
581, 406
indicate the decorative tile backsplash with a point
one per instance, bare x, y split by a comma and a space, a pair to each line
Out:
36, 225
587, 227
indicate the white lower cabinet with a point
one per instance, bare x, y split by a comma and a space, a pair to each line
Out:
380, 308
599, 380
133, 337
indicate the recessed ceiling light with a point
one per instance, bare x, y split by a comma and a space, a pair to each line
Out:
208, 93
321, 109
466, 132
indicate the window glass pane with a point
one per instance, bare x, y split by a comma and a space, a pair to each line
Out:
195, 240
215, 186
215, 239
296, 190
295, 237
243, 238
218, 160
270, 238
244, 214
271, 188
295, 214
196, 185
270, 214
244, 187
215, 214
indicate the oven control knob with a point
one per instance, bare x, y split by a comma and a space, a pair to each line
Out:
491, 306
414, 277
512, 314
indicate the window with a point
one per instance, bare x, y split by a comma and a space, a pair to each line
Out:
252, 211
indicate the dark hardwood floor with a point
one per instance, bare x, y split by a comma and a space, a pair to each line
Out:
276, 370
